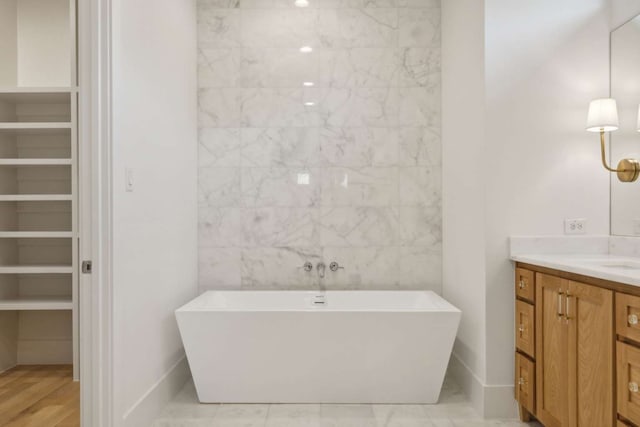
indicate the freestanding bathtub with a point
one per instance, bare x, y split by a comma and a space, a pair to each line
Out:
298, 347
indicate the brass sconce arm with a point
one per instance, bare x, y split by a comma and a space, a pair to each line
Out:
628, 170
603, 152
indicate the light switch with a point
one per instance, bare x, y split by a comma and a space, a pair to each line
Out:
128, 172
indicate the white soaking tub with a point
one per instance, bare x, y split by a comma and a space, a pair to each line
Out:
282, 347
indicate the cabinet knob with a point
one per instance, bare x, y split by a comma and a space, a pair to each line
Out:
522, 284
632, 319
521, 328
633, 387
522, 381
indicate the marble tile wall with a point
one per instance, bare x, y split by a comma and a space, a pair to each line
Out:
345, 168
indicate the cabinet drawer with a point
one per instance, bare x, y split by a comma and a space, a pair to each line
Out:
525, 284
628, 370
628, 316
525, 382
525, 328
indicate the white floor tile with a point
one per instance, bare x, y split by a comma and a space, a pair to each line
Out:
401, 416
241, 416
347, 416
293, 416
454, 410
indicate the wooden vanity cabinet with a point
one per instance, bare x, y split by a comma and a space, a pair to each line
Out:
574, 353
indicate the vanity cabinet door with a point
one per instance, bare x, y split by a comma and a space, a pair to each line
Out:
552, 352
589, 315
628, 370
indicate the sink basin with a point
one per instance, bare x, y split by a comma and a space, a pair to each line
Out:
622, 265
615, 264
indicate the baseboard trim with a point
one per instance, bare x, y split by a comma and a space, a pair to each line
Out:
45, 352
148, 407
2, 371
499, 402
490, 401
471, 385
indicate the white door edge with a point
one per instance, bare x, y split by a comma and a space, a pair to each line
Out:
95, 302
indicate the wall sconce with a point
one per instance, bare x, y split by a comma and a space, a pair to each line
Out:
603, 117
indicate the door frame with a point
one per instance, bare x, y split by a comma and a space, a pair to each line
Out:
95, 213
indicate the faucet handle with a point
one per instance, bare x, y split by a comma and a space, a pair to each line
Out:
334, 266
307, 266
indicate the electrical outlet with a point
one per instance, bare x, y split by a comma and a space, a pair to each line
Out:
575, 226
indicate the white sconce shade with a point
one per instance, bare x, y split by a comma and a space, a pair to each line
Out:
603, 115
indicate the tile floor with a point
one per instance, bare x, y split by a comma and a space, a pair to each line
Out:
453, 410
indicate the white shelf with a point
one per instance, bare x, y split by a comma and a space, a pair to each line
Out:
36, 269
31, 126
33, 197
29, 90
36, 303
36, 234
35, 162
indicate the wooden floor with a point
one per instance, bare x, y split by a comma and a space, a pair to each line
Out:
39, 396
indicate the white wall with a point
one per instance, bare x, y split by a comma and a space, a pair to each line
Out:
8, 43
35, 43
154, 227
544, 61
463, 185
541, 74
44, 43
622, 11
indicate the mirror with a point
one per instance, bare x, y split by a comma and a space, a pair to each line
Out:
625, 142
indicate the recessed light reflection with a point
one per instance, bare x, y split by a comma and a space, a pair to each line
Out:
306, 49
345, 181
301, 3
304, 179
309, 104
308, 84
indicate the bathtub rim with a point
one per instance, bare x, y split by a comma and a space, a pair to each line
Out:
445, 306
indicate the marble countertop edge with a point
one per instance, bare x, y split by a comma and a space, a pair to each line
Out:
615, 268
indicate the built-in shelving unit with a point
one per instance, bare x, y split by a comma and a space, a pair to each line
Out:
38, 183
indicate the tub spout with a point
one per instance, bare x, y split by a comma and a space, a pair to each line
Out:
321, 268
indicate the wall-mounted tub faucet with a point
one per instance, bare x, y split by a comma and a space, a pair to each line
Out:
307, 266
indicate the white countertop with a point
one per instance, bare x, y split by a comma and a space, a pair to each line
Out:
616, 268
